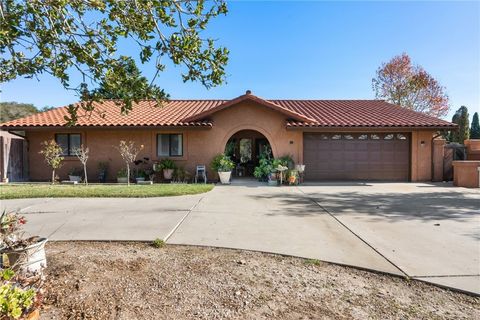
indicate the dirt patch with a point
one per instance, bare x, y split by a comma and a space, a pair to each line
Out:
92, 280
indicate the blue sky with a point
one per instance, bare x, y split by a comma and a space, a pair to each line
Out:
320, 50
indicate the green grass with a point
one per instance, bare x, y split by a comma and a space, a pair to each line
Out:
20, 191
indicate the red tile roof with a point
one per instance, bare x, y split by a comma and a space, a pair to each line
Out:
299, 113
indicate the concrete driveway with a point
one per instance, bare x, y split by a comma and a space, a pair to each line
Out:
426, 231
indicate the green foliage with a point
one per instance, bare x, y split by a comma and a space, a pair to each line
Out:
462, 133
222, 163
63, 38
52, 153
14, 301
75, 171
6, 274
122, 173
167, 164
268, 165
475, 127
158, 243
14, 110
314, 262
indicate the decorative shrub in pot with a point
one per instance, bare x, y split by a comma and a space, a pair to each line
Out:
140, 175
223, 166
75, 174
168, 167
122, 176
21, 269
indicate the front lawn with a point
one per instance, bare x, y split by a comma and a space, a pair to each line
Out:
19, 191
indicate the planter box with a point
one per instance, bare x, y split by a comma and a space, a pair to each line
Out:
144, 182
68, 182
122, 179
75, 178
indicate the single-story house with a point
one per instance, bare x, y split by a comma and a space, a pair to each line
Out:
335, 139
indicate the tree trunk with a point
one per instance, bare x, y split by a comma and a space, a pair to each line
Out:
85, 172
128, 174
53, 176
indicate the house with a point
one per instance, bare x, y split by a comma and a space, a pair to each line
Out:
335, 139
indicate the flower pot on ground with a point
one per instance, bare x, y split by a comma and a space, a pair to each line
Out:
29, 256
122, 176
223, 166
168, 167
75, 174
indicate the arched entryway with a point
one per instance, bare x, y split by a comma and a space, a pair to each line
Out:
245, 148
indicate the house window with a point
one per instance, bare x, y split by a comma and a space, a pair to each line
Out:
170, 145
68, 142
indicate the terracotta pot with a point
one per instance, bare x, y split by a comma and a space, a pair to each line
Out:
167, 174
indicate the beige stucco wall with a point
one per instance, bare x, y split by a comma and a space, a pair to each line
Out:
201, 145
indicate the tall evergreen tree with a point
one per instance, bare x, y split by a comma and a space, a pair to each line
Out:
461, 118
475, 127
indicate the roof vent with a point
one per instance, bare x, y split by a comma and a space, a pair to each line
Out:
248, 92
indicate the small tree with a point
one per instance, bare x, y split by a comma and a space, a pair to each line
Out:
129, 153
475, 127
53, 156
82, 155
461, 118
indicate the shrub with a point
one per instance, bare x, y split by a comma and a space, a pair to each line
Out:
75, 171
52, 153
222, 163
158, 243
122, 173
167, 164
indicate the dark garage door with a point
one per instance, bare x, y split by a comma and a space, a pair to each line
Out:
349, 156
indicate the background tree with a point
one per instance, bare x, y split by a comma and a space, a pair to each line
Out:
461, 118
129, 153
82, 155
53, 156
15, 110
402, 83
475, 127
62, 37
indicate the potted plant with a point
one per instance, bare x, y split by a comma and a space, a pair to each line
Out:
19, 254
223, 166
75, 174
167, 166
21, 267
122, 176
140, 175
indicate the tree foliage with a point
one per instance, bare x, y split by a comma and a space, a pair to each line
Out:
461, 118
475, 127
61, 37
401, 82
14, 110
52, 153
128, 152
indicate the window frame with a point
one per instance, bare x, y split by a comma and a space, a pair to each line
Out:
68, 153
170, 145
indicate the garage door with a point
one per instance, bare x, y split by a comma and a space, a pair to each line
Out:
349, 156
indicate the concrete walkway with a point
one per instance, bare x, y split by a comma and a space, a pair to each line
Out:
426, 231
